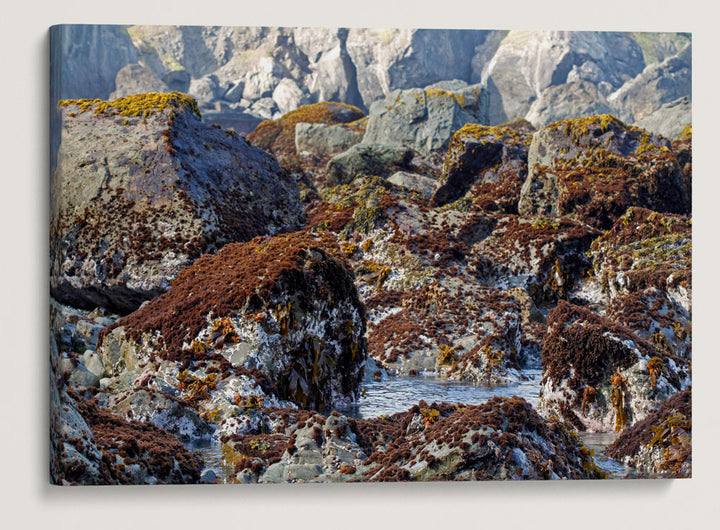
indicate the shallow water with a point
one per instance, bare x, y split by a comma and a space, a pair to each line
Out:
400, 393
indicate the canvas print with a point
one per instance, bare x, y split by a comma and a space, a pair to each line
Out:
292, 255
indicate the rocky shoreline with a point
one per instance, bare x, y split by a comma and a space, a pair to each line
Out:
209, 287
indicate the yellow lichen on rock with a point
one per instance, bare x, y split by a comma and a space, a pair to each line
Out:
139, 105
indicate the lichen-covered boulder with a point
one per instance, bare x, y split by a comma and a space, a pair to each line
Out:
143, 188
278, 136
661, 444
285, 306
424, 119
595, 168
367, 159
599, 376
493, 157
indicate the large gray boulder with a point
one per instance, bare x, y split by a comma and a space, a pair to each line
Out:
325, 140
577, 99
136, 79
143, 187
424, 119
670, 119
527, 62
658, 84
367, 159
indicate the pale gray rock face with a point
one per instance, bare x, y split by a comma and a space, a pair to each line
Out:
412, 181
324, 140
576, 99
658, 84
424, 119
670, 119
205, 90
181, 190
288, 96
527, 62
136, 79
388, 59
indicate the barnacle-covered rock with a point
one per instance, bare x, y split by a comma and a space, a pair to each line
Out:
661, 444
595, 168
499, 440
643, 267
502, 439
493, 157
545, 255
285, 306
599, 376
424, 119
143, 188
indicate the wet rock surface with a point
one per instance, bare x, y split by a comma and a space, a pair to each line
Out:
146, 166
232, 298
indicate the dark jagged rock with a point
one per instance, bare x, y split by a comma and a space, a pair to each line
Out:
143, 188
286, 306
599, 376
595, 168
493, 157
661, 444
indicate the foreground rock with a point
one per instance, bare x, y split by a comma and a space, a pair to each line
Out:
156, 189
595, 168
599, 376
661, 444
285, 306
502, 439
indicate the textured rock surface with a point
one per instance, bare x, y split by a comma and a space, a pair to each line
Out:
155, 171
656, 85
286, 307
527, 62
599, 376
425, 119
136, 79
661, 444
367, 159
502, 439
577, 99
493, 157
325, 140
670, 120
595, 168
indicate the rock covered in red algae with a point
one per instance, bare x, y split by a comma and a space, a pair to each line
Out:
143, 187
599, 376
594, 168
661, 444
502, 439
284, 306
